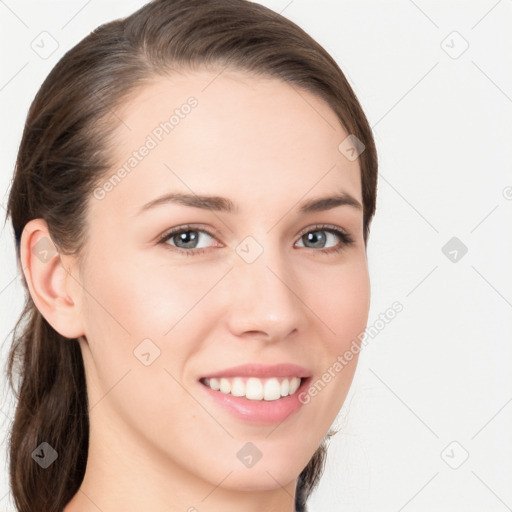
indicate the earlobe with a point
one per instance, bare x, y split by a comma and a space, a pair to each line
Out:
47, 280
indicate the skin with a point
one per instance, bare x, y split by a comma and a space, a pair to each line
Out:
157, 442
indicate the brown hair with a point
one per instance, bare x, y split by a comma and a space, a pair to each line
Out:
64, 153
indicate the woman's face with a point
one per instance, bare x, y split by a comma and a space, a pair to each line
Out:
251, 279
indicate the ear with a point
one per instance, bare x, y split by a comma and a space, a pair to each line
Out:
52, 279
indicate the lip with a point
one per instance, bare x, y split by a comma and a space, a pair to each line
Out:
260, 412
261, 371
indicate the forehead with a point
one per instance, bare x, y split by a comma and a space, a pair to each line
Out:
228, 133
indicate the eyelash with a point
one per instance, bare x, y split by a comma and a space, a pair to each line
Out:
346, 239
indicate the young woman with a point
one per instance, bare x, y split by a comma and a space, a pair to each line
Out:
191, 204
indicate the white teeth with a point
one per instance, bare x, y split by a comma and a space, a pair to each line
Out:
214, 384
285, 387
238, 387
225, 386
272, 390
254, 388
294, 385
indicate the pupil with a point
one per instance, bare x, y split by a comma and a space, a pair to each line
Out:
316, 239
186, 238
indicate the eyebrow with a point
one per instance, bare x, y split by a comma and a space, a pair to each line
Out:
223, 204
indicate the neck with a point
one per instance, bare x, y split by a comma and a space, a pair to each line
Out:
125, 473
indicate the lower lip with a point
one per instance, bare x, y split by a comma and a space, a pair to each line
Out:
265, 412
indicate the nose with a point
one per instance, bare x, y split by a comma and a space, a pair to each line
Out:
265, 299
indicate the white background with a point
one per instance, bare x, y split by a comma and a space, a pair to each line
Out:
441, 370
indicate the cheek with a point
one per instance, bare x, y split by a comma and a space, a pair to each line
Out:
139, 329
143, 297
354, 304
343, 309
343, 303
134, 307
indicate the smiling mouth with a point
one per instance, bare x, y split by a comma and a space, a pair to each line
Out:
254, 388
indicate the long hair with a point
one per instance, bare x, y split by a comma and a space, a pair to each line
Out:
65, 152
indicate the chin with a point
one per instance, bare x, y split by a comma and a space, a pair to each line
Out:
264, 480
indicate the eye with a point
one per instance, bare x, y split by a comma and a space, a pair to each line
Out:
186, 239
321, 235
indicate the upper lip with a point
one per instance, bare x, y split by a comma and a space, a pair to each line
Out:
261, 370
